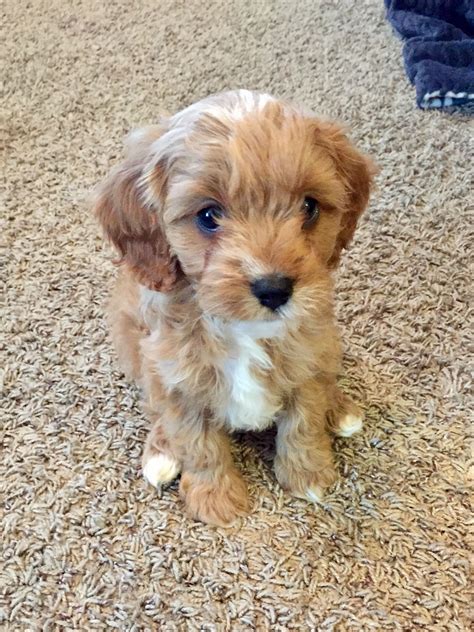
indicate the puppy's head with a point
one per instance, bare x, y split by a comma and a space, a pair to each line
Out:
245, 197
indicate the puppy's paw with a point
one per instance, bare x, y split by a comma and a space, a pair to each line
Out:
219, 502
160, 469
349, 425
314, 494
344, 418
309, 486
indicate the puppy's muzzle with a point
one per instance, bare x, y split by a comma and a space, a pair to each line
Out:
273, 290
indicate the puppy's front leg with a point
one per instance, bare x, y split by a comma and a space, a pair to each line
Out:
211, 486
304, 461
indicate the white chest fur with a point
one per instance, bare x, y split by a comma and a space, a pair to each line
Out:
243, 400
248, 404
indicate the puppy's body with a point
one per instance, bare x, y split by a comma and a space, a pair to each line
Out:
212, 350
245, 371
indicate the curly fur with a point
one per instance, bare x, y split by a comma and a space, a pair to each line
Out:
209, 357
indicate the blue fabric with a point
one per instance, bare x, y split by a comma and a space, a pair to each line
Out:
438, 50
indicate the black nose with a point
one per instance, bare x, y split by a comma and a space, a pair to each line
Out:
273, 290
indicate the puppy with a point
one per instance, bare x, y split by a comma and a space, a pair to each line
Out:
229, 218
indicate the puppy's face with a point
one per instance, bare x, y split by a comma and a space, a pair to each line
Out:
246, 197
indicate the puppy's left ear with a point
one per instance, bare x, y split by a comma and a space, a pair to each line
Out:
134, 226
357, 172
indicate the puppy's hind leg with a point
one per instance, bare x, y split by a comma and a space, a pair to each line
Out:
344, 418
127, 326
159, 467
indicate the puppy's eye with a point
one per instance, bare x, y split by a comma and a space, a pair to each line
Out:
310, 210
208, 219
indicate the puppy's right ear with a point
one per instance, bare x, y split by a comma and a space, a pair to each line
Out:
133, 225
356, 171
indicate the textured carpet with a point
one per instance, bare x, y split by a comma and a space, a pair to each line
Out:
86, 544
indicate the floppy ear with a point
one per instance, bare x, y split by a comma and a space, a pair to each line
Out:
133, 226
357, 172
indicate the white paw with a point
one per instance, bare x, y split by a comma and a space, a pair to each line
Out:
314, 494
349, 426
160, 469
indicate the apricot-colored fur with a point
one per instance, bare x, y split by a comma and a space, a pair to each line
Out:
209, 357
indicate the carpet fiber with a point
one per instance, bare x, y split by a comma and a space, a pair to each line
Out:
86, 545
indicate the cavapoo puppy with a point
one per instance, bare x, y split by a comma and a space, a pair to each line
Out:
229, 218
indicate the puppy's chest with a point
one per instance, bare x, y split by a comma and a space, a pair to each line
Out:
249, 397
228, 368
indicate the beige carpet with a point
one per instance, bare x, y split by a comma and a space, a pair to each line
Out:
86, 545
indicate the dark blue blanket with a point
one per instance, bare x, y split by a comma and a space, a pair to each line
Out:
438, 49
